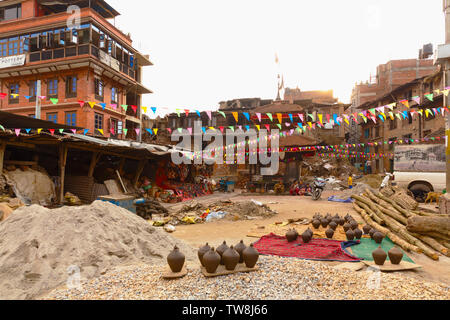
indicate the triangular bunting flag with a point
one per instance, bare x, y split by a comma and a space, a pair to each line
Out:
153, 109
247, 116
125, 131
259, 117
92, 104
270, 116
155, 131
430, 96
52, 131
223, 114
138, 131
81, 103
85, 131
134, 108
103, 105
54, 100
39, 130
28, 130
101, 131
236, 116
17, 132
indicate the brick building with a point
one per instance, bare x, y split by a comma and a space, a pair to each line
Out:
92, 62
415, 126
389, 76
316, 96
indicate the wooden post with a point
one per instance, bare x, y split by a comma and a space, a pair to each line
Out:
95, 158
2, 154
62, 170
121, 165
140, 168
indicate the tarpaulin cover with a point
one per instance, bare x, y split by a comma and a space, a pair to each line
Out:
367, 246
336, 199
316, 249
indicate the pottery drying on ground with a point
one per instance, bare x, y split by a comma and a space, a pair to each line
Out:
395, 255
347, 227
221, 249
230, 259
176, 260
211, 260
333, 225
350, 235
379, 256
337, 217
358, 233
310, 232
251, 256
324, 222
371, 232
367, 229
291, 235
316, 224
378, 237
341, 221
240, 247
306, 237
202, 251
330, 233
354, 225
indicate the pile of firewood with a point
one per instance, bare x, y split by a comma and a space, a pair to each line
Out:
412, 230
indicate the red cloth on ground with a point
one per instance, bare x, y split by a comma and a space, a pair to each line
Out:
317, 249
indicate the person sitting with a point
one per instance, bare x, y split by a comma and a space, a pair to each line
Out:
295, 189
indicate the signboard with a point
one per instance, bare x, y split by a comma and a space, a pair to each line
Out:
13, 61
109, 61
420, 158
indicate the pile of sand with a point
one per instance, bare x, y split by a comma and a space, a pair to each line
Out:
40, 247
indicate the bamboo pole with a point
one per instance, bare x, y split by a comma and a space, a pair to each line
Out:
397, 240
432, 243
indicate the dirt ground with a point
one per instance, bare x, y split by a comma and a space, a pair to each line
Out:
289, 207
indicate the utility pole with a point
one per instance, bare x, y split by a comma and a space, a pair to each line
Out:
37, 114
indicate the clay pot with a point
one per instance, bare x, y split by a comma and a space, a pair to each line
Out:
333, 225
310, 232
378, 237
316, 224
350, 235
251, 256
358, 233
330, 233
337, 217
341, 221
347, 227
176, 260
367, 229
291, 235
211, 260
240, 247
354, 225
306, 237
379, 256
324, 222
372, 231
395, 255
230, 259
348, 217
221, 249
202, 251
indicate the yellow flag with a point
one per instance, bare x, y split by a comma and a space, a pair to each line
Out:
236, 116
101, 131
39, 131
320, 118
155, 131
258, 127
280, 117
346, 121
144, 109
310, 124
92, 104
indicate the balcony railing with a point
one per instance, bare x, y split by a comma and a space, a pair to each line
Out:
78, 50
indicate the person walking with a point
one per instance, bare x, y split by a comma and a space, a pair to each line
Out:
369, 167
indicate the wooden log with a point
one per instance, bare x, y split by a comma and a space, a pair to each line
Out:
445, 243
397, 240
429, 224
435, 235
432, 243
393, 215
370, 212
397, 207
422, 213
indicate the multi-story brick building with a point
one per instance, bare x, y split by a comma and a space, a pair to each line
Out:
415, 126
389, 76
93, 61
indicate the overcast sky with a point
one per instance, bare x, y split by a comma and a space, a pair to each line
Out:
207, 51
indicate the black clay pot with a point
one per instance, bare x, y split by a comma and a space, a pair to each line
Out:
358, 233
221, 249
330, 233
354, 225
316, 224
251, 256
395, 255
333, 225
176, 260
291, 235
211, 259
378, 237
310, 232
324, 222
202, 251
379, 256
230, 259
372, 232
306, 237
350, 235
347, 227
240, 247
367, 229
341, 221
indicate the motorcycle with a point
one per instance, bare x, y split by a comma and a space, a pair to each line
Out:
317, 188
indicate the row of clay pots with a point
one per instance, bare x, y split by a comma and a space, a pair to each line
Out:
395, 256
227, 256
292, 235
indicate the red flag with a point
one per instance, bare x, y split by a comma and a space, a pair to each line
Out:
81, 103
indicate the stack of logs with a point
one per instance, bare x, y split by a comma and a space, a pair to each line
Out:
412, 230
150, 207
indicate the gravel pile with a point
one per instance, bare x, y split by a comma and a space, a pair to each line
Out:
278, 278
41, 248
